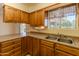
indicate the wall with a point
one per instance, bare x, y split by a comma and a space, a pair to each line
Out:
7, 28
67, 32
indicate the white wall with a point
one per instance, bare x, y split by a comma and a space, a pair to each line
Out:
7, 28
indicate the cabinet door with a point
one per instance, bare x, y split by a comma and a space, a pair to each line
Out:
29, 45
17, 16
46, 51
11, 14
61, 53
24, 45
40, 18
24, 17
35, 47
8, 14
33, 19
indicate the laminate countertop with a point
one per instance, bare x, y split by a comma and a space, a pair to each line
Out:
9, 37
75, 43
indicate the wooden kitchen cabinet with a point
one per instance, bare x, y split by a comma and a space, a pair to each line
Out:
11, 14
61, 53
46, 48
33, 19
11, 47
15, 15
24, 45
40, 17
36, 44
46, 51
29, 45
24, 17
67, 50
37, 18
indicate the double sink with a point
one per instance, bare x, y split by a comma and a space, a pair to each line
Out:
60, 38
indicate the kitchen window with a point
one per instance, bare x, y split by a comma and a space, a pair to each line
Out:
64, 18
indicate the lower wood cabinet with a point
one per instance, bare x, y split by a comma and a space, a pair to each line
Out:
46, 48
46, 51
11, 47
61, 53
35, 47
67, 50
24, 45
32, 46
29, 45
36, 44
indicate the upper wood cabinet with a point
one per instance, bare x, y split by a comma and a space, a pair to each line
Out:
37, 18
33, 19
14, 15
10, 14
24, 17
40, 17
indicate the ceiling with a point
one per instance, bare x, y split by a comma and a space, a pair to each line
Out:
30, 7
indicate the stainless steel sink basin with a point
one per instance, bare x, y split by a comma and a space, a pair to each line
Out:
60, 39
65, 40
52, 37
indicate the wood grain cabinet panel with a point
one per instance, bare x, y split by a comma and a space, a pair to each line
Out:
30, 45
8, 14
11, 14
24, 45
46, 48
6, 43
40, 17
14, 15
33, 19
24, 17
70, 50
37, 18
11, 47
47, 43
46, 51
36, 44
61, 53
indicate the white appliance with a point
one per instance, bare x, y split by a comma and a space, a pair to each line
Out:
24, 29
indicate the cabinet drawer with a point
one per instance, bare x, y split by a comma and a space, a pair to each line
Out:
17, 52
9, 53
67, 49
6, 43
48, 43
6, 49
61, 53
18, 40
11, 47
46, 51
17, 45
17, 49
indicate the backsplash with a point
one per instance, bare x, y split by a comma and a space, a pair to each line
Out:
60, 31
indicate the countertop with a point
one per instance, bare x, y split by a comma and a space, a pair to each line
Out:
42, 36
9, 37
39, 36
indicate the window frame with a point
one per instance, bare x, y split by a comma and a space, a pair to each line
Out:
76, 18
